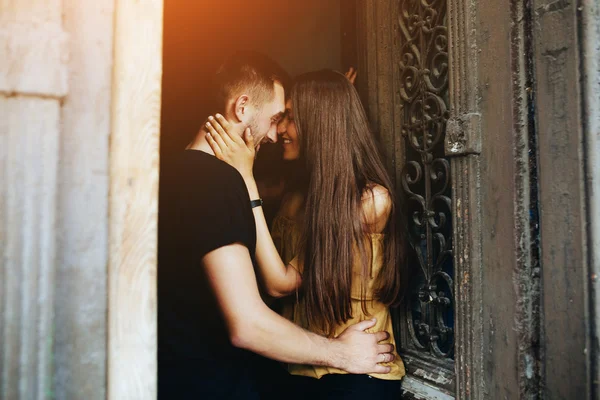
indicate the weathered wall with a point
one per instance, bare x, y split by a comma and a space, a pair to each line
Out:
28, 174
55, 79
63, 101
82, 204
33, 82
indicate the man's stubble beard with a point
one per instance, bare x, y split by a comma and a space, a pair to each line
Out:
253, 125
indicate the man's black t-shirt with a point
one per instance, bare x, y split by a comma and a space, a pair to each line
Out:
207, 206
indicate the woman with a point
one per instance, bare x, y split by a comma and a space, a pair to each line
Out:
285, 226
346, 267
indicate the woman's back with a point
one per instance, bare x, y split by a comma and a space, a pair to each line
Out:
376, 206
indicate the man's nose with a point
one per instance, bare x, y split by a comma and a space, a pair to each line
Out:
272, 135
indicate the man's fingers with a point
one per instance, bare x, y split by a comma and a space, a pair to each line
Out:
361, 326
383, 335
385, 357
385, 348
382, 369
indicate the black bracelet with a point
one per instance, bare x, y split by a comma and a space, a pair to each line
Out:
256, 203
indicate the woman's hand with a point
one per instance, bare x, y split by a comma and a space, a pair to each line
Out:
230, 147
351, 74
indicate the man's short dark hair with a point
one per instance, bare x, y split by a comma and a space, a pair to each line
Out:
251, 73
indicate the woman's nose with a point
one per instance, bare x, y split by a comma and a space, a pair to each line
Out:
281, 128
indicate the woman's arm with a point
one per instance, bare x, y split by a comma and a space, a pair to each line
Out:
279, 279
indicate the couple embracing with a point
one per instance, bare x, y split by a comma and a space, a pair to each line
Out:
340, 271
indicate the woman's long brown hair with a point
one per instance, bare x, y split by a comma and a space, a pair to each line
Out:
342, 161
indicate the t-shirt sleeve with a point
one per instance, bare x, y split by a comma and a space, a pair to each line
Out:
224, 217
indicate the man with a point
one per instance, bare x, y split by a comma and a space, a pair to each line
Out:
211, 315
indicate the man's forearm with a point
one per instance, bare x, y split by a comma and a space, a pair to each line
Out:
272, 336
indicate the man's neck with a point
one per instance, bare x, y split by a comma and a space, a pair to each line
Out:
200, 143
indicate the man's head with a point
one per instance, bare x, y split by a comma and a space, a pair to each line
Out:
249, 88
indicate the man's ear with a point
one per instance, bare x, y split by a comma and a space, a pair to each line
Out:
241, 108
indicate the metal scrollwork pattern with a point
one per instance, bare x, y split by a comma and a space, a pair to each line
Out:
426, 174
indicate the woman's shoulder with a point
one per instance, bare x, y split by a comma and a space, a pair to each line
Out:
376, 207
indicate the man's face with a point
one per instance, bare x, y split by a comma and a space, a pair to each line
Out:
264, 123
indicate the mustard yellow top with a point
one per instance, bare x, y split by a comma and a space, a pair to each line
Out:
285, 235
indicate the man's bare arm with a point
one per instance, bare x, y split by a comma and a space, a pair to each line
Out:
255, 327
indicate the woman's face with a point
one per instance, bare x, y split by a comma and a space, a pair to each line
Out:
288, 134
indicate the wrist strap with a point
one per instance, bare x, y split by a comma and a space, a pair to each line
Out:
256, 203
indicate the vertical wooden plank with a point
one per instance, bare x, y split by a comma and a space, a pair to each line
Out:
526, 275
367, 56
498, 194
590, 31
378, 51
82, 230
28, 168
397, 112
562, 200
463, 144
388, 106
133, 200
469, 353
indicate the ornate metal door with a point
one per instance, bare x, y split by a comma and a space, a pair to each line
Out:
426, 325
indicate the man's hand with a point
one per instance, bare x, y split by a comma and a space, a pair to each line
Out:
230, 147
361, 351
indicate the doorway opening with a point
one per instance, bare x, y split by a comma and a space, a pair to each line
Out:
198, 36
